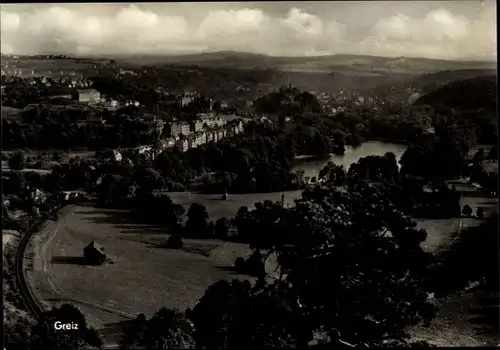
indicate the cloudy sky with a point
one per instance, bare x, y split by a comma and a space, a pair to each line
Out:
433, 29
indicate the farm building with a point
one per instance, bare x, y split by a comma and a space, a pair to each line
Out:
88, 95
94, 254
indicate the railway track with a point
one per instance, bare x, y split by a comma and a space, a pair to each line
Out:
30, 301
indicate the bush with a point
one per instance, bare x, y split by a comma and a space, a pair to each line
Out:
175, 242
467, 210
255, 265
480, 213
221, 228
240, 265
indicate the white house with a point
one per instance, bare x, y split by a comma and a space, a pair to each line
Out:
117, 155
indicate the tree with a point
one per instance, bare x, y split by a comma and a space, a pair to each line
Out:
467, 210
493, 153
333, 173
168, 328
175, 241
221, 228
350, 265
479, 156
472, 258
16, 184
232, 314
56, 156
196, 223
255, 265
46, 337
17, 160
239, 221
240, 265
480, 213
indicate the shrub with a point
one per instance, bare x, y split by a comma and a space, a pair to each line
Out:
240, 265
175, 242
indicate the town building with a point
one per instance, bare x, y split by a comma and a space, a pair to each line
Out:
88, 96
210, 136
197, 125
182, 145
111, 103
153, 123
142, 149
179, 128
170, 142
117, 156
208, 119
167, 143
132, 103
219, 134
94, 254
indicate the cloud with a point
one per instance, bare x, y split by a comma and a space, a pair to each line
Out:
88, 29
303, 22
222, 22
439, 34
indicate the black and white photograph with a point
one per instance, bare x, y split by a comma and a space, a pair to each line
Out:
244, 175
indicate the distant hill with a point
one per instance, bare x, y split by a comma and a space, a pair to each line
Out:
468, 94
347, 64
402, 88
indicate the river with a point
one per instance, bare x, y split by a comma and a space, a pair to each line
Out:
352, 155
217, 208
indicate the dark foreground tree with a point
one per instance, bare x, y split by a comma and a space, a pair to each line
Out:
351, 270
167, 329
196, 223
221, 228
16, 162
235, 315
467, 210
175, 241
46, 337
480, 213
471, 258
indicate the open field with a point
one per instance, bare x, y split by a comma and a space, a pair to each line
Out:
143, 276
439, 232
473, 150
218, 208
49, 66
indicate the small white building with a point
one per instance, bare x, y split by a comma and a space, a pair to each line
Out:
88, 95
117, 156
143, 149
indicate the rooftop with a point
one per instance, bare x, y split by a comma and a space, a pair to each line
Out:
95, 246
87, 91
